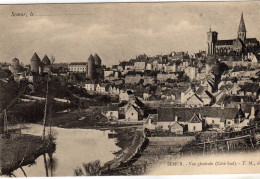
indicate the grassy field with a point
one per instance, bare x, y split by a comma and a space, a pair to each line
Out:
20, 150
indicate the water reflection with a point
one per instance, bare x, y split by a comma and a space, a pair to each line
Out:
73, 147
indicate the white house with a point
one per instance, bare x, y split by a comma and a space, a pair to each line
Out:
101, 88
90, 87
139, 66
132, 114
195, 124
187, 94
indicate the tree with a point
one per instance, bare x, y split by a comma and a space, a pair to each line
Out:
90, 169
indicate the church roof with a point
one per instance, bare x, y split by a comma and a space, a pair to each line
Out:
242, 26
35, 57
251, 40
224, 42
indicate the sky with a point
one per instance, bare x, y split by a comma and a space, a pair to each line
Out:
118, 31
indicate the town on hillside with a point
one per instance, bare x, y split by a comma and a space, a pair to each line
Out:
212, 95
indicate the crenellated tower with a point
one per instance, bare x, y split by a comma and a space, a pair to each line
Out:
212, 40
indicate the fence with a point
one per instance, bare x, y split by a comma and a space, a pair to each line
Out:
225, 141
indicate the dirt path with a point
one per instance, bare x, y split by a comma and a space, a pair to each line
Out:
128, 152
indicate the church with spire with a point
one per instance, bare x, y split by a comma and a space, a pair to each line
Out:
239, 46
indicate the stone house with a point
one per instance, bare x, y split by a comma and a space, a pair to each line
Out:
90, 87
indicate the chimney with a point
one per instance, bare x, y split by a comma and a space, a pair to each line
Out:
176, 118
200, 116
223, 106
252, 114
242, 100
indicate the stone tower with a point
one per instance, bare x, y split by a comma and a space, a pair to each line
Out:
35, 63
91, 67
212, 39
241, 33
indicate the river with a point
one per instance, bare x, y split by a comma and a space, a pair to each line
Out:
73, 147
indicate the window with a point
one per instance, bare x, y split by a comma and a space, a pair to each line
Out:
194, 128
213, 121
228, 122
132, 114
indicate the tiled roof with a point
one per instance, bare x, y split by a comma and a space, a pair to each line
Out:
195, 119
227, 99
185, 114
196, 96
111, 108
250, 87
251, 40
200, 90
176, 125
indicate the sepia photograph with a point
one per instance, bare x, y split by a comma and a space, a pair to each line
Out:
126, 89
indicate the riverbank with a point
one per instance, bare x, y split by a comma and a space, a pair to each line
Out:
161, 150
20, 150
129, 145
90, 119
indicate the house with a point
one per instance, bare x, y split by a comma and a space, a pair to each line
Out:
209, 85
194, 101
171, 67
102, 88
195, 124
252, 90
111, 112
126, 95
139, 66
191, 72
202, 117
166, 118
187, 94
133, 79
149, 80
133, 114
151, 122
176, 128
205, 96
114, 90
90, 87
234, 89
162, 77
78, 67
108, 73
149, 66
146, 96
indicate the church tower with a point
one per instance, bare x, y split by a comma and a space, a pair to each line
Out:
242, 29
212, 39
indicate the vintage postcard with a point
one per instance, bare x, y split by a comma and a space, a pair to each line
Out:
116, 89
